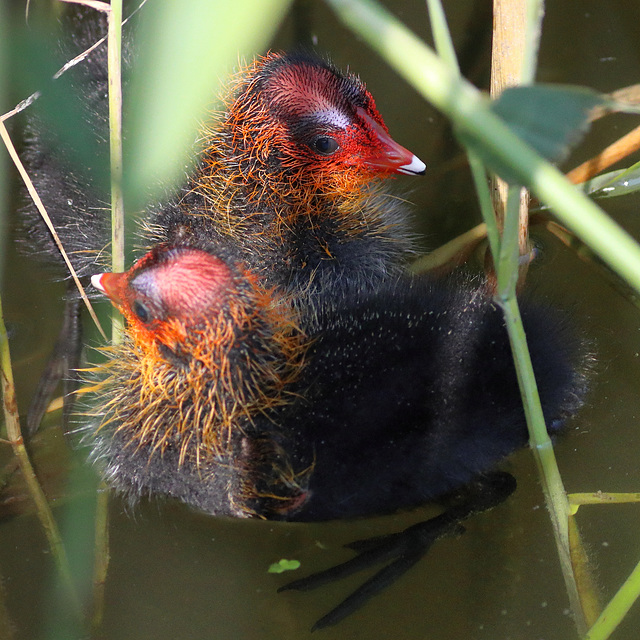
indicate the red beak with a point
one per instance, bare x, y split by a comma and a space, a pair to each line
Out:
111, 284
392, 156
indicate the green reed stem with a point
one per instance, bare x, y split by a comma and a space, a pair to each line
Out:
617, 608
114, 40
491, 141
541, 446
533, 32
14, 434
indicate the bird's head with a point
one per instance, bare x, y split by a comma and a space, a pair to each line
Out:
207, 361
169, 294
302, 115
202, 329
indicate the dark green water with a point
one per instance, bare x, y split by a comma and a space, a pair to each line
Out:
178, 574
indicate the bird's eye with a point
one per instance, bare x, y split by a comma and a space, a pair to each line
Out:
325, 145
142, 311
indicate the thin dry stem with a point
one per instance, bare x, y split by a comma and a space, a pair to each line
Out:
615, 152
45, 216
507, 57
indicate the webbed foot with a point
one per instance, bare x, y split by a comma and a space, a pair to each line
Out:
404, 549
61, 366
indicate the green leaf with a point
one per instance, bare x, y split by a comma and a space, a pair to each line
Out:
551, 119
185, 48
614, 183
284, 565
64, 117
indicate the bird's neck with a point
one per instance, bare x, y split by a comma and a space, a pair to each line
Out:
190, 396
247, 182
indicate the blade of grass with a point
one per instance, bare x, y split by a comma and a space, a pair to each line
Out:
113, 12
617, 608
441, 36
184, 49
446, 51
14, 434
600, 497
461, 102
114, 57
511, 207
114, 44
114, 38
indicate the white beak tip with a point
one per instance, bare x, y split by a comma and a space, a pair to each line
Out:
415, 168
96, 281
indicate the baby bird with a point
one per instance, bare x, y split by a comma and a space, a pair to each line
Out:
398, 397
188, 403
291, 174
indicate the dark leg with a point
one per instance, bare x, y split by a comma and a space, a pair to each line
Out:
62, 366
404, 549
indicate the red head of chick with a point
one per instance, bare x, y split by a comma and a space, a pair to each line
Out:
291, 173
315, 122
208, 353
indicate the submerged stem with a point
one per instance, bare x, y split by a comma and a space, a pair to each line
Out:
14, 434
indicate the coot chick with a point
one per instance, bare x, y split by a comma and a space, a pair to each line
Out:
398, 397
290, 172
413, 383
